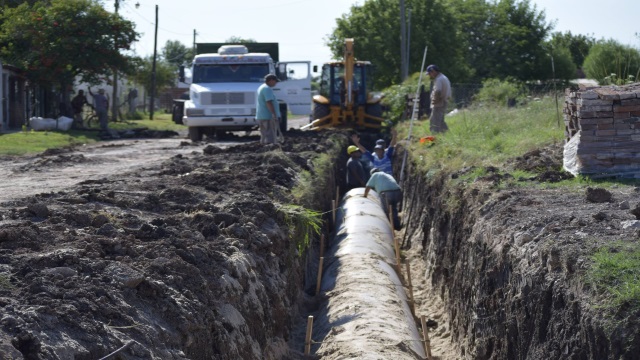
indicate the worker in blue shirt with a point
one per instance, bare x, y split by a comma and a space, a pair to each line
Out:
388, 190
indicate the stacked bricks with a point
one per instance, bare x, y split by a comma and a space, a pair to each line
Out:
607, 121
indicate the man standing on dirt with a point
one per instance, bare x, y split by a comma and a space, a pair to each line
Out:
356, 176
390, 194
267, 110
440, 94
101, 105
77, 104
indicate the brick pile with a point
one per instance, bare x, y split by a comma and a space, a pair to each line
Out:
602, 131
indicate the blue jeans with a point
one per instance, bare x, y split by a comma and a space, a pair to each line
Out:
392, 198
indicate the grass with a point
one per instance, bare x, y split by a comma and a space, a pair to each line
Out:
487, 136
616, 274
303, 224
33, 142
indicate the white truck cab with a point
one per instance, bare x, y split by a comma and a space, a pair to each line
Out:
223, 90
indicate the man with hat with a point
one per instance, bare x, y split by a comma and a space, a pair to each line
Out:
440, 95
388, 190
356, 176
381, 157
101, 106
267, 110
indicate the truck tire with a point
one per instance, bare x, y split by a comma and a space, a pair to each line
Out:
195, 133
374, 109
320, 111
283, 118
176, 111
220, 134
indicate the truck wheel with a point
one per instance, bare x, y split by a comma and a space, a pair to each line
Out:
195, 133
283, 123
374, 109
320, 111
220, 134
283, 118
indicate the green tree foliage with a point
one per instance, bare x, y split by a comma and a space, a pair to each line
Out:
560, 67
611, 62
375, 27
238, 40
501, 39
176, 53
56, 42
578, 45
470, 40
166, 74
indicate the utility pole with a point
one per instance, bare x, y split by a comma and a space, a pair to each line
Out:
194, 41
153, 69
403, 44
114, 97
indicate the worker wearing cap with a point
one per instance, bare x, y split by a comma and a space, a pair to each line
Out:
440, 95
356, 176
381, 157
388, 190
267, 110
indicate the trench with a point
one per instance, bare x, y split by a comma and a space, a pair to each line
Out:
494, 295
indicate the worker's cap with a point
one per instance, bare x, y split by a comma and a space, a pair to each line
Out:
380, 142
351, 149
373, 171
379, 146
271, 77
431, 68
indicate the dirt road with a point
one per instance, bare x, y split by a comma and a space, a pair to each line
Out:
57, 169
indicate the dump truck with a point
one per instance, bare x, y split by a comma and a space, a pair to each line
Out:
222, 93
346, 98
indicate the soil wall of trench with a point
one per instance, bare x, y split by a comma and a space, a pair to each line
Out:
509, 262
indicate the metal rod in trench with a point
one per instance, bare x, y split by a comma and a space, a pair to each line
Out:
413, 115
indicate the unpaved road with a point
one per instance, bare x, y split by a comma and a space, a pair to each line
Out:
55, 170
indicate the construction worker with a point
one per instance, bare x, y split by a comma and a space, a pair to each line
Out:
267, 110
356, 175
388, 190
381, 157
440, 95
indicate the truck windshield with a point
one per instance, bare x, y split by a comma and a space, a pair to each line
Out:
223, 73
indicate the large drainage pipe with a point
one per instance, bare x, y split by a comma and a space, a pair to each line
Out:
366, 314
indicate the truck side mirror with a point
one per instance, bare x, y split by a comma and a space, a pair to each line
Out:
315, 68
181, 73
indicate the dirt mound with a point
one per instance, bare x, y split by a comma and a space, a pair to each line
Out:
192, 259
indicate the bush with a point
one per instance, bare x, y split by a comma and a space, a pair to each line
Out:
500, 92
610, 62
395, 96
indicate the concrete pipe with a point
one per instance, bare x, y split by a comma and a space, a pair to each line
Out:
366, 314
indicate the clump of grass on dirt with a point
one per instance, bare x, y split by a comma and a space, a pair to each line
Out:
615, 273
304, 224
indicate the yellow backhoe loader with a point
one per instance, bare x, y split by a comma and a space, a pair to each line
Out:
346, 98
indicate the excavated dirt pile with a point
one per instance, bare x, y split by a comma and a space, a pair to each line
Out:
191, 259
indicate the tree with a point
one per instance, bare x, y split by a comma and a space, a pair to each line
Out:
375, 27
176, 53
165, 74
54, 42
503, 38
578, 45
238, 40
610, 62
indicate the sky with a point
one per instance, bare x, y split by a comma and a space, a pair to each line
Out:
302, 26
